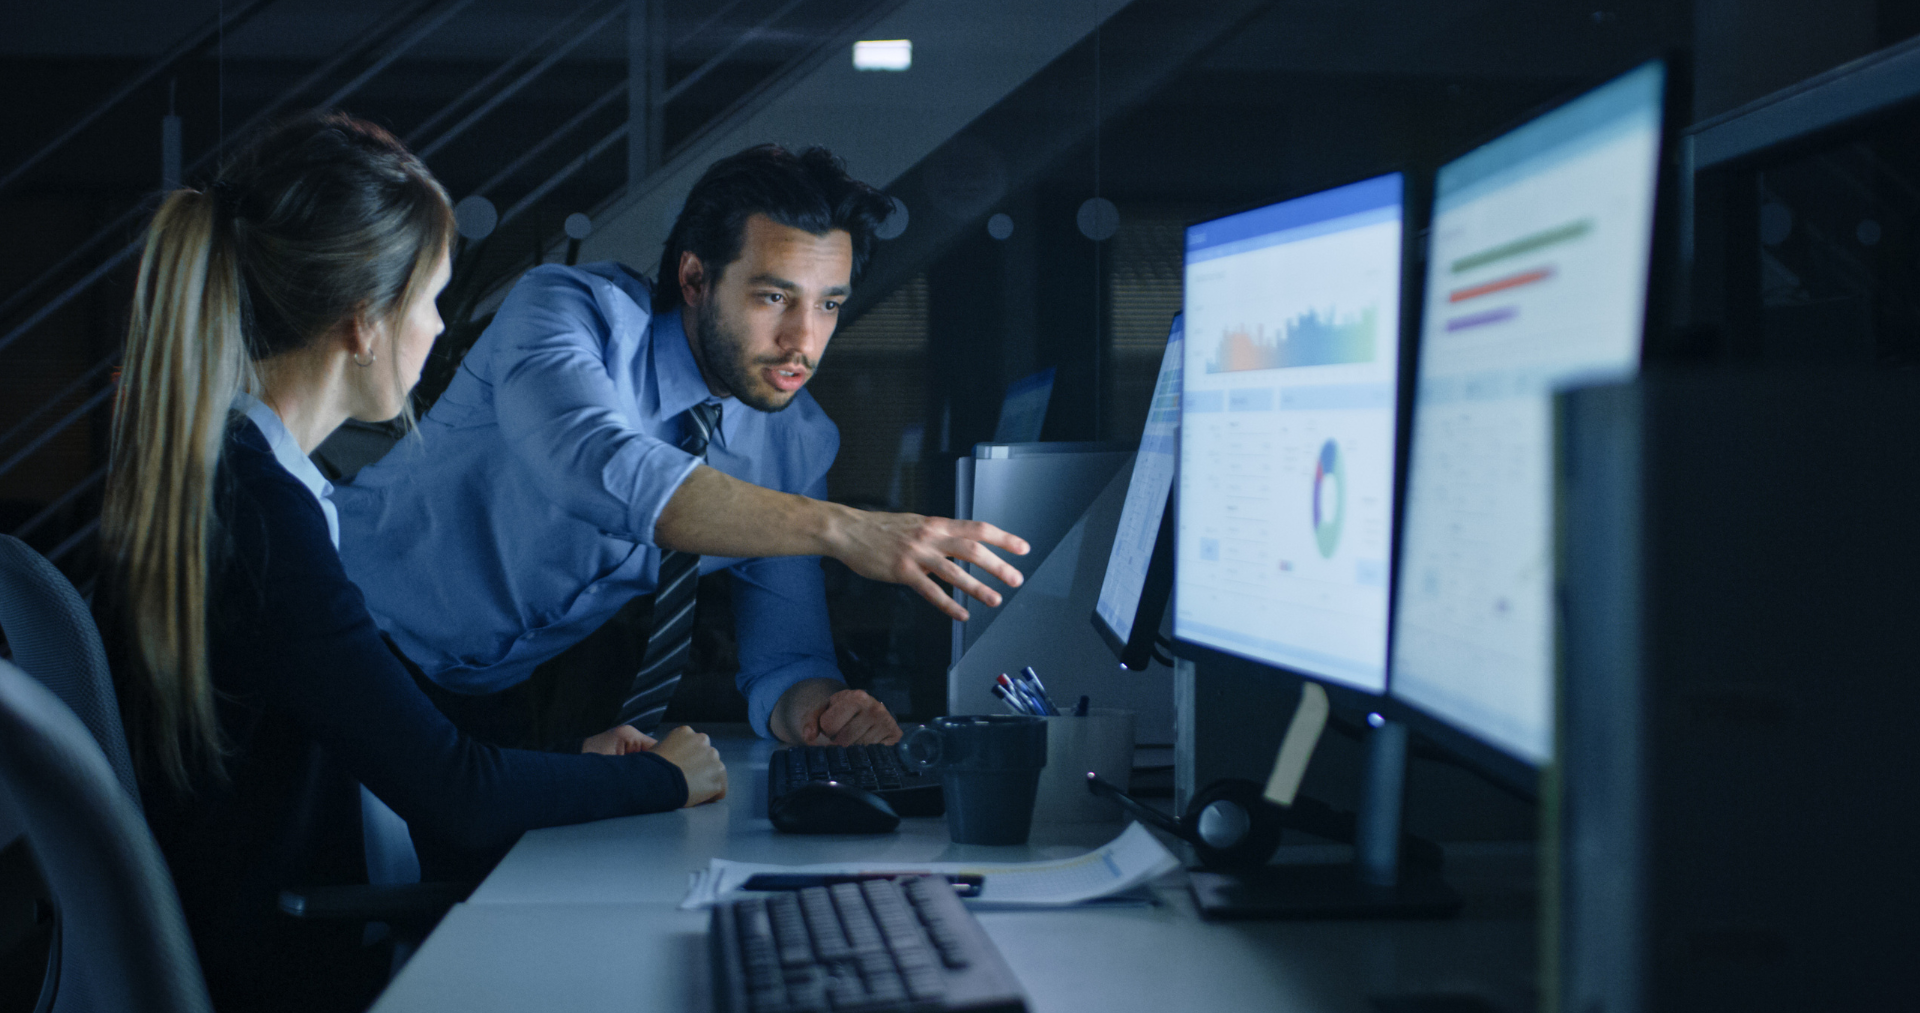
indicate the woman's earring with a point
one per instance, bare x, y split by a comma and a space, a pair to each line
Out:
357, 362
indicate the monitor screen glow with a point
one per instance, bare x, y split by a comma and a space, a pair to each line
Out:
1285, 506
1146, 504
1536, 281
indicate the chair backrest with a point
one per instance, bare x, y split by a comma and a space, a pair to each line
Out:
123, 941
53, 637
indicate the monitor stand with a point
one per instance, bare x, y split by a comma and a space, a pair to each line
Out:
1377, 884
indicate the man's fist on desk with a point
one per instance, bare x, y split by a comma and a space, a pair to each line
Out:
822, 712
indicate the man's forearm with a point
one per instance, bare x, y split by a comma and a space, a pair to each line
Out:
715, 514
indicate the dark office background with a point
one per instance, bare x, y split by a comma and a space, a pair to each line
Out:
1174, 112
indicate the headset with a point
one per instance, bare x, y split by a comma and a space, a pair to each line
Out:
1233, 826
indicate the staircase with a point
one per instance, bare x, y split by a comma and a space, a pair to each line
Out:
581, 142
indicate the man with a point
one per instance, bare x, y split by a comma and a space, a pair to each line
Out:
605, 439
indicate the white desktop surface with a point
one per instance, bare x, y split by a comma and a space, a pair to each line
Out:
586, 917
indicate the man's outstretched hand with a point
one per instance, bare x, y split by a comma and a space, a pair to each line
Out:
911, 549
822, 712
715, 514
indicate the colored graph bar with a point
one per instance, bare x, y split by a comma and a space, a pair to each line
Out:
1500, 285
1525, 244
1482, 319
1309, 339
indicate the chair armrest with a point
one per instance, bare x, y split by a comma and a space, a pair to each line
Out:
399, 902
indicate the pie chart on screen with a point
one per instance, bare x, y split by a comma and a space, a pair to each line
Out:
1329, 498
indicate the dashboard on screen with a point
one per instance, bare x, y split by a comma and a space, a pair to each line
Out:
1285, 508
1537, 274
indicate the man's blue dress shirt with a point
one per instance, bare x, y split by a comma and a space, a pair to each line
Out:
522, 519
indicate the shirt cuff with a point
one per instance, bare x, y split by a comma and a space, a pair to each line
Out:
764, 689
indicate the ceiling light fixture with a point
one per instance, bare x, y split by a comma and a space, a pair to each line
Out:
883, 54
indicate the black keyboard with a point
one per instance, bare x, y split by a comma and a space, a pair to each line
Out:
874, 767
878, 945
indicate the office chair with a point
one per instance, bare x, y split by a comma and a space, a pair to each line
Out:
122, 943
54, 639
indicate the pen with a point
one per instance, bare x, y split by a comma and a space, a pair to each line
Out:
1039, 690
1034, 704
1014, 694
1012, 704
1080, 709
965, 884
1030, 681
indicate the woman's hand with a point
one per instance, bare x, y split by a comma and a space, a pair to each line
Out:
698, 760
619, 741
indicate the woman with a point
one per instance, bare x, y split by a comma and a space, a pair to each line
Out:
295, 293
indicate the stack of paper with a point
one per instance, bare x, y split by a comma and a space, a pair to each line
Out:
1128, 861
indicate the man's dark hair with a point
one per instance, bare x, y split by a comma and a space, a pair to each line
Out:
810, 191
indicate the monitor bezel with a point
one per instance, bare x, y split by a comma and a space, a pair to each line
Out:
1663, 262
1348, 700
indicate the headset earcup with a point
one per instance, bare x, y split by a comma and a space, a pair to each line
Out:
1262, 835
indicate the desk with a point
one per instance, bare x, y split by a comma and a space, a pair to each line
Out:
585, 917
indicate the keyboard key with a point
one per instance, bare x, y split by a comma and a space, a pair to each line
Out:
790, 930
925, 985
863, 936
846, 992
886, 988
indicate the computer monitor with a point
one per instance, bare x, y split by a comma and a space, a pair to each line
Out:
1023, 412
1133, 594
1537, 280
1284, 523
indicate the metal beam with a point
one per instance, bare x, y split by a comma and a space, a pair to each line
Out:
1846, 94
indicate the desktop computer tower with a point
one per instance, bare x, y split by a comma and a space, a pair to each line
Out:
1065, 500
1731, 816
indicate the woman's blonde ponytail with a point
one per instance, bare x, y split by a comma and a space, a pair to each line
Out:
186, 359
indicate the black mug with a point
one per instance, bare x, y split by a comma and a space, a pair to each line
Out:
989, 768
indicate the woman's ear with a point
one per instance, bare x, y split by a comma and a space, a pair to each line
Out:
362, 335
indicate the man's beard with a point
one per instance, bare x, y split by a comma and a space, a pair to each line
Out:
725, 355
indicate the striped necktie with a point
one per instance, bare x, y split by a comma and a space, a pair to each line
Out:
671, 638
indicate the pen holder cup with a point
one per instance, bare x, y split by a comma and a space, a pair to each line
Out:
1100, 742
989, 768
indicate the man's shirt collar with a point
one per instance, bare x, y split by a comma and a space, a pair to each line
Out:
681, 385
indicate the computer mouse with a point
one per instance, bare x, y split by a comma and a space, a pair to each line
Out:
832, 807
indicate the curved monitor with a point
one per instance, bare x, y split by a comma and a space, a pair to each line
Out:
1285, 507
1537, 276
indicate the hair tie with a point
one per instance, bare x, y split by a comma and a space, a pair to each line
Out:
226, 198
